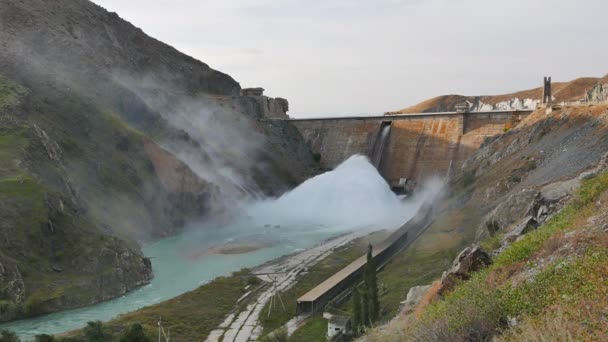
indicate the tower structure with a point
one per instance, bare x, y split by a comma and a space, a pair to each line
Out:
547, 91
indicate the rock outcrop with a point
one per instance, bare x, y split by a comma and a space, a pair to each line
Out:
470, 260
413, 298
599, 92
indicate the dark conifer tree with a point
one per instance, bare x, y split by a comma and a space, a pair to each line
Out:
371, 284
357, 310
365, 307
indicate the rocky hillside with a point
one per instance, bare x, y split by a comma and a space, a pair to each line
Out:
574, 90
599, 92
532, 203
108, 136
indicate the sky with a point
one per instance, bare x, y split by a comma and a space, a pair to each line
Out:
350, 57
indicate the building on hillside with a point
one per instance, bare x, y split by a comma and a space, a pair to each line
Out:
252, 91
337, 325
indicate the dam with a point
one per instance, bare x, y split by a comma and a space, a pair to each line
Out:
405, 147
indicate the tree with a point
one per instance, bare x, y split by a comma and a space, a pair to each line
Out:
8, 336
356, 317
371, 284
135, 333
44, 338
93, 332
364, 307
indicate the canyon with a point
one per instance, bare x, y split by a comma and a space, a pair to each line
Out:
114, 145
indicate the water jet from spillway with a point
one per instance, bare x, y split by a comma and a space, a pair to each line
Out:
352, 195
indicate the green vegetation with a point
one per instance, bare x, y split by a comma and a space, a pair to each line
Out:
190, 316
573, 285
315, 329
8, 336
365, 306
581, 207
279, 335
356, 316
93, 332
491, 243
9, 92
135, 333
492, 227
371, 285
44, 338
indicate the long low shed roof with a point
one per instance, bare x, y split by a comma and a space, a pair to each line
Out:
339, 276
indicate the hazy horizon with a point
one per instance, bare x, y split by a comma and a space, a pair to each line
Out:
341, 57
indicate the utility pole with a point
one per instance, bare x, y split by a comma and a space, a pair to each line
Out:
161, 331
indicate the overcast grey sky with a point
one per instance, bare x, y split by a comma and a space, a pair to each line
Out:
340, 57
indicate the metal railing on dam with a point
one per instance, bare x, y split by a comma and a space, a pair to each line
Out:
404, 116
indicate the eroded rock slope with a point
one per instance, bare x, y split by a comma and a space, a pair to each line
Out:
109, 137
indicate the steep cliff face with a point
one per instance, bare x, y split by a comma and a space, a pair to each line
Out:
527, 99
107, 137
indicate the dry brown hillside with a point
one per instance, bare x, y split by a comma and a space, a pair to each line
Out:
562, 91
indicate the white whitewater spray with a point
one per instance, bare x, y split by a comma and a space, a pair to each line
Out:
352, 196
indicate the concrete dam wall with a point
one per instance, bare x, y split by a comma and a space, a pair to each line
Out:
410, 146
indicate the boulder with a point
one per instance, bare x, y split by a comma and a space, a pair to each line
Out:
413, 298
470, 260
556, 191
526, 225
508, 212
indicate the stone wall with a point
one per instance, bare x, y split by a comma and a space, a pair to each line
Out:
419, 145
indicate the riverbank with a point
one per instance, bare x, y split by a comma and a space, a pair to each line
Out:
178, 272
233, 307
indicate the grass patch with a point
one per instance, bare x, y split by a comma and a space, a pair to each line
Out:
9, 92
190, 316
491, 243
12, 143
23, 185
315, 329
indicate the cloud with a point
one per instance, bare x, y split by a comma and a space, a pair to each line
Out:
345, 57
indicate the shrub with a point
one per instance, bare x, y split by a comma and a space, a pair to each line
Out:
8, 336
93, 332
491, 243
530, 165
44, 338
279, 335
493, 227
135, 333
